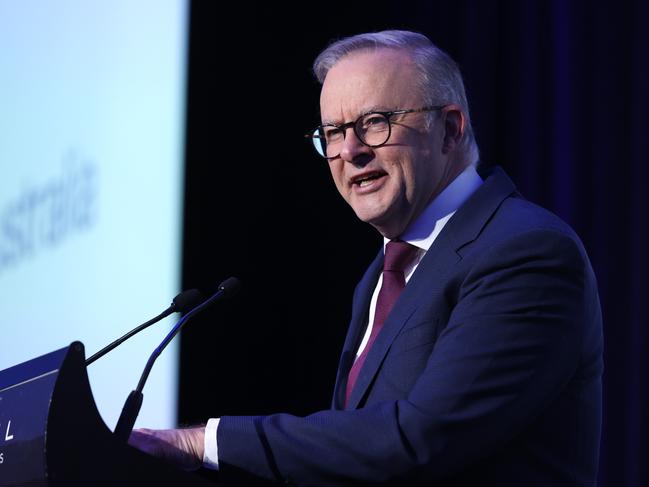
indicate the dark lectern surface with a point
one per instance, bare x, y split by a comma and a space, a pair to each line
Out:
25, 395
51, 433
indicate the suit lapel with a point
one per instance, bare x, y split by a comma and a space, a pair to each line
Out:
462, 228
358, 322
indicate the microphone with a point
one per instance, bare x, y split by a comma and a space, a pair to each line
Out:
182, 303
131, 409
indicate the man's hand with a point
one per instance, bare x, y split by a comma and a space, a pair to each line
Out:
182, 447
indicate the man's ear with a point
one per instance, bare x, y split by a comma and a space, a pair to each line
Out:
454, 126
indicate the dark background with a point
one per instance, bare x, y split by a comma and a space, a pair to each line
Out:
558, 92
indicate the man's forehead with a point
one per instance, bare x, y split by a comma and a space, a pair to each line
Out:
373, 67
377, 80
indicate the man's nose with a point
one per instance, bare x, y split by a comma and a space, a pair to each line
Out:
354, 151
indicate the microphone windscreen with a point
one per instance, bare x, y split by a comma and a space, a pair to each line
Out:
187, 300
230, 286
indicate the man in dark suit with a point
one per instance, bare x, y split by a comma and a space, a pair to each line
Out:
474, 353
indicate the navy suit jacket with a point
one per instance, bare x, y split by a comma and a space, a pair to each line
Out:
486, 372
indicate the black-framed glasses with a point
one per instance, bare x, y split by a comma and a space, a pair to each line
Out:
373, 129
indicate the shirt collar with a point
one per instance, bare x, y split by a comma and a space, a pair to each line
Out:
422, 232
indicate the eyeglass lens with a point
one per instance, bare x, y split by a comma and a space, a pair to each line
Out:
372, 130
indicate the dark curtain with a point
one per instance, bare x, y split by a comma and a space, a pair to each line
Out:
558, 91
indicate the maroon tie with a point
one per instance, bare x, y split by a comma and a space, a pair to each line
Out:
398, 255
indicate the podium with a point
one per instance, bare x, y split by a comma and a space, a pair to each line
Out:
51, 433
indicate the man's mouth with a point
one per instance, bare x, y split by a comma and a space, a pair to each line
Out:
366, 179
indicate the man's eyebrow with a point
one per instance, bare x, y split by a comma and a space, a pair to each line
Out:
365, 111
376, 108
330, 122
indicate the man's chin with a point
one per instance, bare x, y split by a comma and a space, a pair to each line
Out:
385, 226
372, 217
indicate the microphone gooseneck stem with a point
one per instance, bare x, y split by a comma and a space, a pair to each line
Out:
174, 331
133, 403
125, 337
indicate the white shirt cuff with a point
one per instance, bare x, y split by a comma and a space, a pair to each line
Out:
211, 453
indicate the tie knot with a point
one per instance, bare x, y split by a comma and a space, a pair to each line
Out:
398, 255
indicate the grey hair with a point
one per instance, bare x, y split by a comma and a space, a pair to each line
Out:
440, 81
